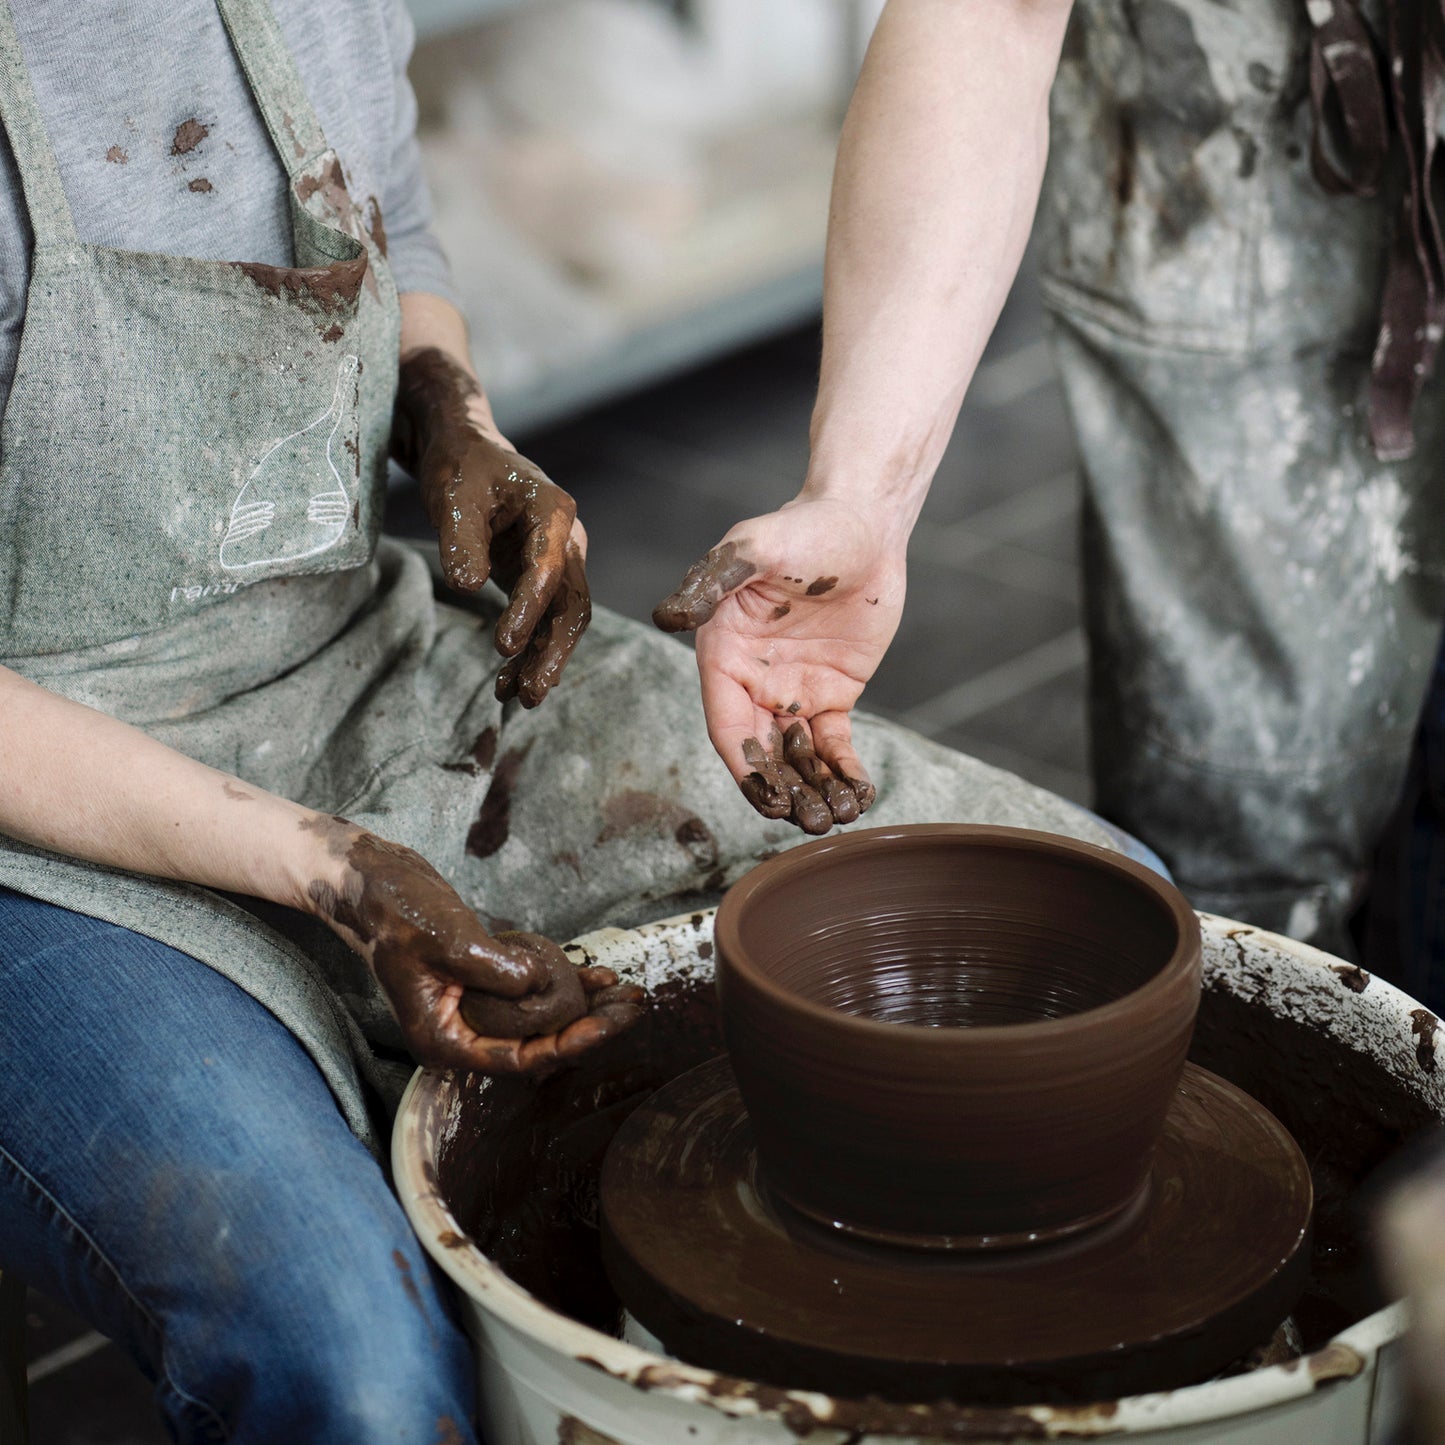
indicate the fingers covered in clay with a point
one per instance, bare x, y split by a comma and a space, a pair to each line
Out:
463, 998
546, 1011
542, 515
836, 792
424, 945
464, 533
610, 1008
833, 742
777, 790
707, 582
796, 783
533, 672
497, 515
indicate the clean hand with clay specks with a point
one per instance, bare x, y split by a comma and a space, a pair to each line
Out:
443, 973
497, 515
793, 612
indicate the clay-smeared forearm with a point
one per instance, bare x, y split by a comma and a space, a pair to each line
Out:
78, 782
938, 173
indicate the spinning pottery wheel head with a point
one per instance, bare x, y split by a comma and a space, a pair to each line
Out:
960, 1150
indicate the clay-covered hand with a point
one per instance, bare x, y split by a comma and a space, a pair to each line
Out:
497, 515
579, 1008
793, 612
438, 966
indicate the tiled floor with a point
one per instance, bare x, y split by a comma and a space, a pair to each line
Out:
989, 658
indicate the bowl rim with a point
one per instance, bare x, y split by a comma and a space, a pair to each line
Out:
1184, 959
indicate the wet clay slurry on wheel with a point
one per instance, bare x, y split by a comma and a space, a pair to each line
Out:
519, 1168
956, 1036
1204, 1266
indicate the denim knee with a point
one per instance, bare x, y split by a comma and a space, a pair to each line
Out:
334, 1329
175, 1169
330, 1371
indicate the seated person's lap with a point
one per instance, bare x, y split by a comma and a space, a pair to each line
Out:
174, 1168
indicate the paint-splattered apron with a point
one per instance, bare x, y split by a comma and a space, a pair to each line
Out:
191, 479
1263, 595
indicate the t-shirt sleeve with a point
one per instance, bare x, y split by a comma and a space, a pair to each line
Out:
417, 260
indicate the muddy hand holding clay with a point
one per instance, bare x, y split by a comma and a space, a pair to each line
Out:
571, 994
430, 954
497, 515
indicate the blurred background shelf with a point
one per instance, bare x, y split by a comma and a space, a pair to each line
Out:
652, 351
438, 17
612, 220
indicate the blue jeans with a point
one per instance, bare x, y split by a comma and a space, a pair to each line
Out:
173, 1167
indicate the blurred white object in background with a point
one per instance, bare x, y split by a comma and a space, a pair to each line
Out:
775, 59
528, 317
630, 83
640, 166
1410, 1239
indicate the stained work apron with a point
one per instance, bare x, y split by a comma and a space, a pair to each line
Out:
191, 481
1263, 593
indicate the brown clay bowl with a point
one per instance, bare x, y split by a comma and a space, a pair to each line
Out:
955, 1036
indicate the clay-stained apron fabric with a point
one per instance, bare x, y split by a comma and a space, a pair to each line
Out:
1263, 593
193, 468
191, 471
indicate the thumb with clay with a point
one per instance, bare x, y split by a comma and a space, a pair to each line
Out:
577, 1009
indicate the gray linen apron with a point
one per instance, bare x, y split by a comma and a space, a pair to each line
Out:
1263, 594
191, 482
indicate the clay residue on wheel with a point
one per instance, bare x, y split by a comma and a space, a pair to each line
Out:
518, 1166
1347, 1112
1351, 975
520, 1171
1423, 1024
804, 1414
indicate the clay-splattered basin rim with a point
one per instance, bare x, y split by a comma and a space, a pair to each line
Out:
1242, 959
791, 870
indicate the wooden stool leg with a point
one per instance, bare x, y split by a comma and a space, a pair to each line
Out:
14, 1403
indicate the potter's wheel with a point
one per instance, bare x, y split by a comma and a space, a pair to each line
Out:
1199, 1271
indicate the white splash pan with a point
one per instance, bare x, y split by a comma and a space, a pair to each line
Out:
547, 1380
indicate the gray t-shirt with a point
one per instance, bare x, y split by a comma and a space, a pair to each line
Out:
161, 147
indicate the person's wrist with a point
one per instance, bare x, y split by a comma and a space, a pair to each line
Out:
880, 517
313, 866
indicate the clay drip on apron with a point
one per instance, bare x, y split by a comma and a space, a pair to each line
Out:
971, 1158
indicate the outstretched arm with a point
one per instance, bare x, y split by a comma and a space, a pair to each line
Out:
75, 781
938, 174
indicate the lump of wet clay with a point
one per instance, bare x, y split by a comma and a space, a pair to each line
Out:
544, 1012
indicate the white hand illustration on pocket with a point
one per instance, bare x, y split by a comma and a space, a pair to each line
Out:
278, 515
